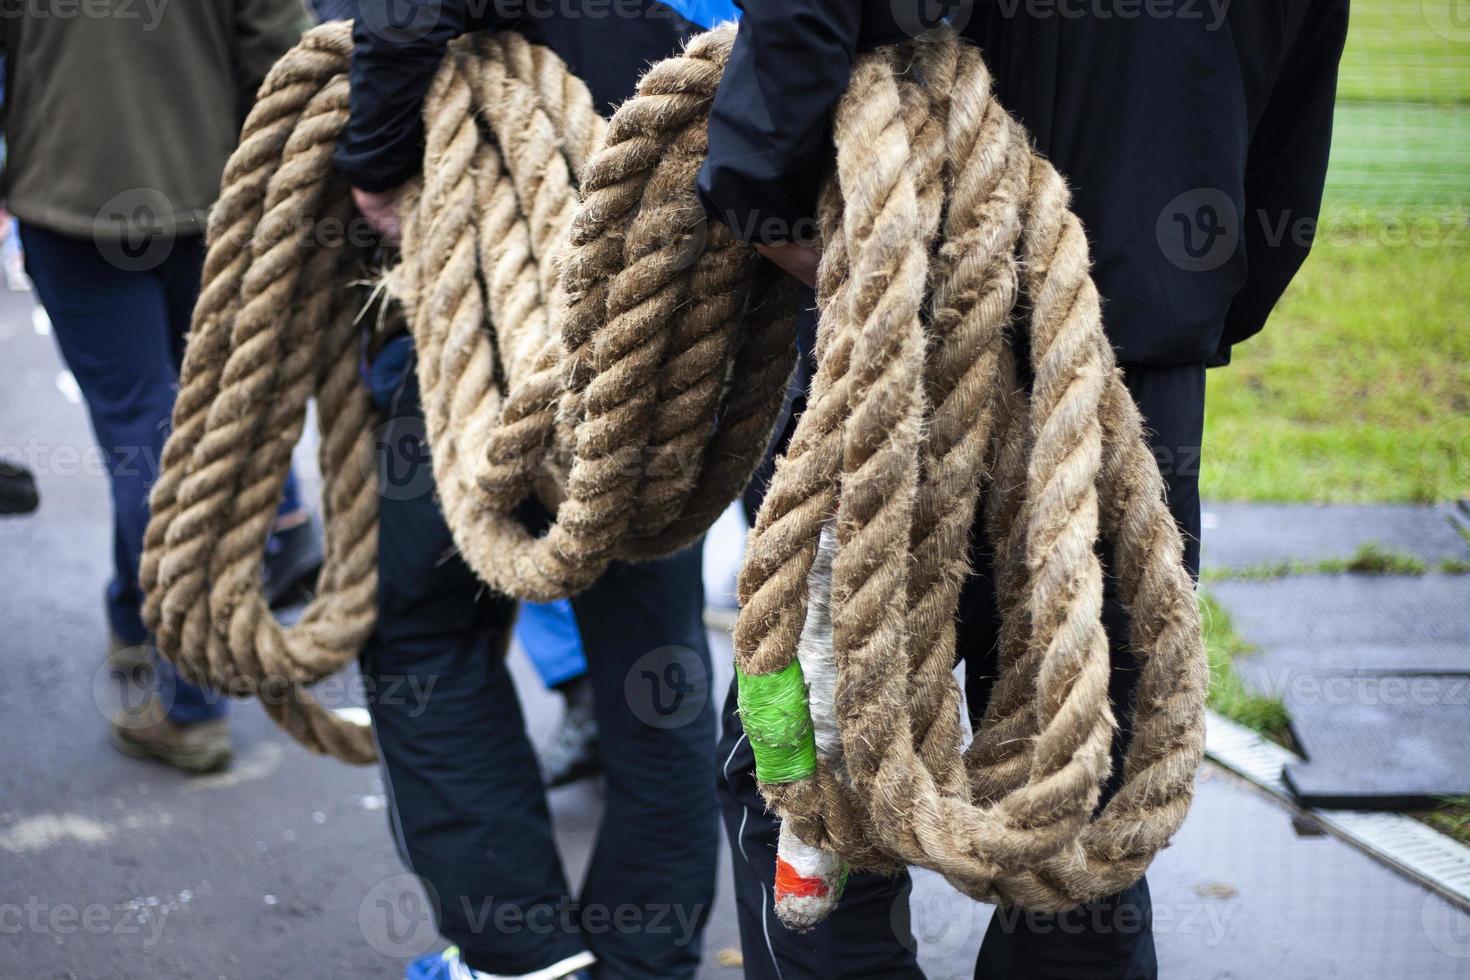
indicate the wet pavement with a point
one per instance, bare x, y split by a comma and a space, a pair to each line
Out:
283, 866
1243, 535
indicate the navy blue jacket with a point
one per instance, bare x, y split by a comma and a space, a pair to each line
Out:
398, 48
1194, 135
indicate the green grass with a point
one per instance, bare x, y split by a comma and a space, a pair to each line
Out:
1401, 136
1228, 694
1406, 51
1403, 159
1451, 817
1358, 390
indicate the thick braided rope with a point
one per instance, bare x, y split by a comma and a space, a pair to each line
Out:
581, 336
585, 337
225, 460
1020, 826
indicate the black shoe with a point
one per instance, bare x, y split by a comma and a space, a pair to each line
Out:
293, 558
17, 489
572, 754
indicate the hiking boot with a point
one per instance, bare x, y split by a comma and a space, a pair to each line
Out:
149, 734
128, 658
571, 754
293, 558
17, 489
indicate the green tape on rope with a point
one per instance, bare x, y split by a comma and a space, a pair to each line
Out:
774, 711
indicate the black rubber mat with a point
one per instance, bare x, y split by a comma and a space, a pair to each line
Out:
1375, 674
1247, 535
1380, 741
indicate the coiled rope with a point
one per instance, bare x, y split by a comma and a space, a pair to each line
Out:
610, 353
939, 222
584, 337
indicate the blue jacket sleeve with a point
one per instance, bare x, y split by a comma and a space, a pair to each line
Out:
769, 128
395, 56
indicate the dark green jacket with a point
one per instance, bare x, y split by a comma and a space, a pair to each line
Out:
120, 114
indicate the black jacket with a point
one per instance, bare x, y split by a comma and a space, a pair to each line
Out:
1194, 135
607, 44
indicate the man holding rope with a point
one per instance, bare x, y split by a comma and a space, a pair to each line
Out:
467, 805
1194, 146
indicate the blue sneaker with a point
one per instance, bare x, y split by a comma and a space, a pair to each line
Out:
449, 965
435, 966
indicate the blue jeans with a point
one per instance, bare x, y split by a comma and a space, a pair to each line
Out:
121, 331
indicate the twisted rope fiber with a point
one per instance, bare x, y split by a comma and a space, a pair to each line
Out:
915, 408
580, 335
584, 338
